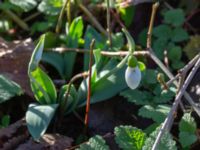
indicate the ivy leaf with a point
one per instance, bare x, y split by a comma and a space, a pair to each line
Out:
8, 89
129, 138
50, 7
162, 31
38, 118
174, 17
94, 143
26, 5
166, 143
158, 113
179, 35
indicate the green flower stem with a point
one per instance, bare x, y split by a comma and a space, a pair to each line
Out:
69, 13
108, 23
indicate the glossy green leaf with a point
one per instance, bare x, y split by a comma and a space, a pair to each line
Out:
37, 55
43, 87
174, 17
38, 118
94, 143
26, 5
129, 138
8, 89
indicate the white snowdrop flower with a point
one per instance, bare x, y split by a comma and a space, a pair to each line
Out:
133, 77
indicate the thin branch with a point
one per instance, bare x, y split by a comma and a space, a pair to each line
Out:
169, 119
149, 33
89, 86
103, 52
108, 23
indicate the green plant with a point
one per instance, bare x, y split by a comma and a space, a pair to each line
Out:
5, 121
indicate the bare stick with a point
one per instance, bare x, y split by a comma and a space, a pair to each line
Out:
103, 52
108, 23
169, 119
149, 34
89, 86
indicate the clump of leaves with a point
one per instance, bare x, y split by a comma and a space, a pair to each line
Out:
187, 134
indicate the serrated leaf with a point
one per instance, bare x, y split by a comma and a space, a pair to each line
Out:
26, 5
179, 35
137, 97
158, 113
43, 87
159, 46
38, 118
162, 31
150, 76
187, 124
166, 143
50, 7
174, 17
129, 138
178, 64
8, 89
94, 143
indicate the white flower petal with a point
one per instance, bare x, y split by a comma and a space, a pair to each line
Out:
133, 77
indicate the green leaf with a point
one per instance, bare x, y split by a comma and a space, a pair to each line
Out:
26, 5
37, 55
94, 143
179, 35
72, 99
166, 143
158, 113
8, 89
162, 31
117, 41
187, 124
142, 66
187, 139
129, 138
178, 64
38, 118
175, 53
137, 97
43, 87
150, 76
103, 89
174, 17
127, 15
142, 39
159, 46
50, 7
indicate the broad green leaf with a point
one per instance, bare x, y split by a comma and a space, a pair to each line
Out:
56, 60
129, 138
178, 64
50, 7
103, 89
166, 143
137, 97
71, 100
175, 53
38, 118
174, 17
94, 143
187, 124
159, 46
162, 31
179, 35
43, 87
127, 14
158, 113
26, 5
37, 55
150, 76
187, 139
131, 42
8, 89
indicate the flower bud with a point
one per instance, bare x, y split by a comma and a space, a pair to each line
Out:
133, 77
